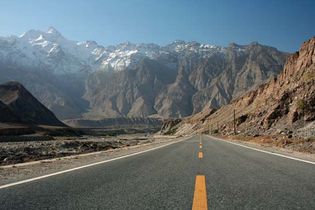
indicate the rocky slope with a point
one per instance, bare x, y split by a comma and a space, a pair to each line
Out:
285, 104
115, 123
155, 88
17, 105
7, 115
86, 80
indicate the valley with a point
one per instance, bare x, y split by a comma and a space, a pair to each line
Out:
85, 80
182, 88
155, 105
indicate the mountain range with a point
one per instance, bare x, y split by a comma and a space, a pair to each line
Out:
89, 81
283, 105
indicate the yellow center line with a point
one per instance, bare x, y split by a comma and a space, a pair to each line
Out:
200, 155
200, 194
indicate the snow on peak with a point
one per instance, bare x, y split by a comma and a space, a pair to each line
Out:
30, 35
89, 44
40, 38
63, 55
52, 30
34, 35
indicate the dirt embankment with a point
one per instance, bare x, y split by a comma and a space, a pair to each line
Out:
279, 141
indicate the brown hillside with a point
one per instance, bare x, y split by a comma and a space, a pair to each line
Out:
285, 103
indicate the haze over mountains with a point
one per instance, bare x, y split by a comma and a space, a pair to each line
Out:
87, 80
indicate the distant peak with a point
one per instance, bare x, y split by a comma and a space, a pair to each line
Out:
178, 41
13, 85
52, 30
233, 44
30, 34
254, 43
91, 42
88, 44
35, 34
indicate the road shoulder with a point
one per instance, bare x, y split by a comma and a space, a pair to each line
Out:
45, 167
306, 157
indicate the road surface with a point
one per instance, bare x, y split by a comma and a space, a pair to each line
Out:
198, 173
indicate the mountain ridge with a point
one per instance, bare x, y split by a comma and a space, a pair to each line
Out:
66, 75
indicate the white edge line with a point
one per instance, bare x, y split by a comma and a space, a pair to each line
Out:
86, 166
264, 151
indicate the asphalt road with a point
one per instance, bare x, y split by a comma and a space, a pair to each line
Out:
235, 178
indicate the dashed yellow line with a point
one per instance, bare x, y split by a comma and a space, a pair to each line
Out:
200, 194
200, 155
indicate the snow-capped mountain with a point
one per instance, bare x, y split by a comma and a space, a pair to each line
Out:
84, 79
51, 51
48, 50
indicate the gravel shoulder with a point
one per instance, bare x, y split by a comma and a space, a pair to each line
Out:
266, 146
18, 172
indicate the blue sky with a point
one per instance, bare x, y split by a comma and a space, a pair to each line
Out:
284, 24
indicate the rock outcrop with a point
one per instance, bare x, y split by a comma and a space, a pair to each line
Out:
170, 126
115, 123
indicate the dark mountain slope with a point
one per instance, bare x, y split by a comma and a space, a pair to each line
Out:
7, 115
19, 102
